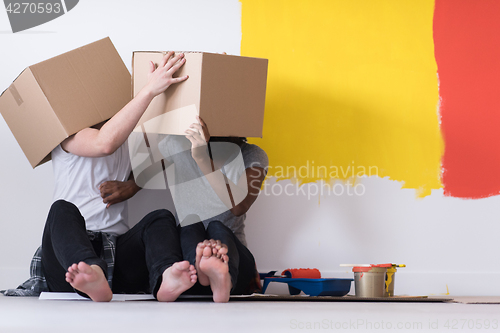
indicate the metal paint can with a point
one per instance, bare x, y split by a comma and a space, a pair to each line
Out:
370, 281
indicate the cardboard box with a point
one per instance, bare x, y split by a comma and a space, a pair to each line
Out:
56, 98
227, 92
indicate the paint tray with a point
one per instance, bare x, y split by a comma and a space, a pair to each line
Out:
312, 287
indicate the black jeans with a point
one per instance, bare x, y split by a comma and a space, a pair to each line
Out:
142, 253
241, 261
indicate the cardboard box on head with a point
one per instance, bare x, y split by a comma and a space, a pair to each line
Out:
54, 99
227, 92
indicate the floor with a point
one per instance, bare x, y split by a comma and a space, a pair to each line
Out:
29, 314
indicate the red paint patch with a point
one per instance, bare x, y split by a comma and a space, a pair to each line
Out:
467, 50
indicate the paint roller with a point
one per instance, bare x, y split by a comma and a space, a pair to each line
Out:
305, 273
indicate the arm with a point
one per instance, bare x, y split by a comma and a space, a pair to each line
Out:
115, 191
249, 184
91, 142
253, 178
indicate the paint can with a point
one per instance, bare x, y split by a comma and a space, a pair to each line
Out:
370, 281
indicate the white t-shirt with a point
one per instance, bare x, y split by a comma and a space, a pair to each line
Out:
77, 180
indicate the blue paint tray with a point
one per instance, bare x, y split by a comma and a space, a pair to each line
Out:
312, 287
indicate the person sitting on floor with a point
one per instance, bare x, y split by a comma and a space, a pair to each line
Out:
214, 183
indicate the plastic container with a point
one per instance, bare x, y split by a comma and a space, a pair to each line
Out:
312, 287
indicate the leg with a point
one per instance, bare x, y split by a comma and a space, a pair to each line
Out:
191, 236
149, 259
193, 241
65, 244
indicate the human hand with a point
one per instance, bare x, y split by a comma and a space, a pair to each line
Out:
198, 134
160, 78
115, 191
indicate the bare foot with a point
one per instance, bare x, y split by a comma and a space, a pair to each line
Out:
217, 270
176, 279
203, 249
89, 279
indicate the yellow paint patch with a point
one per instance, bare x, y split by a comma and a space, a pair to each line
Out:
352, 89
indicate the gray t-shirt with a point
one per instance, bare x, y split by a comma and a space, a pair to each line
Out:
193, 196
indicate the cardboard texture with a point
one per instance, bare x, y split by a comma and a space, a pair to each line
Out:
227, 92
56, 98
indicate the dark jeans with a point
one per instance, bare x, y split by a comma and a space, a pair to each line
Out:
142, 253
241, 261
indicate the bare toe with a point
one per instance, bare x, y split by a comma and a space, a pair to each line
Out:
69, 277
202, 250
73, 268
223, 249
207, 252
199, 250
193, 275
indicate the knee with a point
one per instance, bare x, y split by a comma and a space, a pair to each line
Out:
62, 205
61, 208
160, 215
194, 228
61, 213
216, 227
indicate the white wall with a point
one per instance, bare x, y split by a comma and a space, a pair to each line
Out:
446, 242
